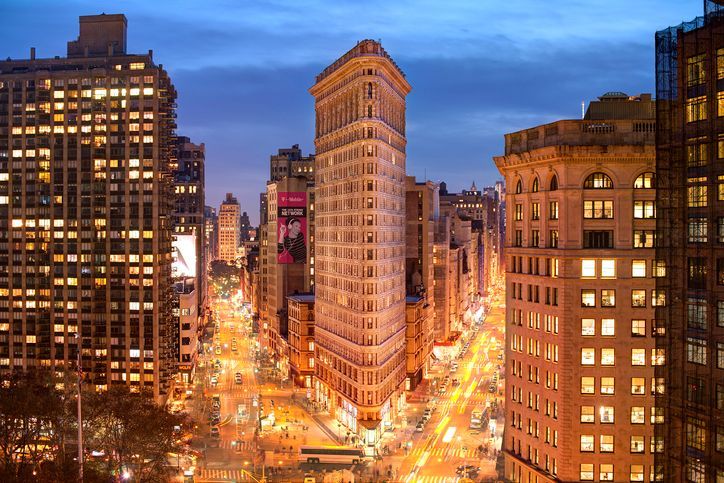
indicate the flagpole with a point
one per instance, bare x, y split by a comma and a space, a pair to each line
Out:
80, 418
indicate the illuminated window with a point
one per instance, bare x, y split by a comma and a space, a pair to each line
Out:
586, 473
696, 108
638, 298
638, 328
644, 209
696, 70
637, 444
588, 268
696, 195
608, 327
136, 65
598, 181
588, 298
587, 414
606, 443
588, 385
638, 415
644, 238
588, 356
658, 357
605, 472
698, 229
553, 210
696, 350
645, 180
608, 357
638, 386
608, 298
608, 268
658, 298
608, 385
588, 326
535, 211
598, 209
638, 268
638, 357
587, 444
518, 212
696, 313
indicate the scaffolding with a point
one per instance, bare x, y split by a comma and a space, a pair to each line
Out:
688, 153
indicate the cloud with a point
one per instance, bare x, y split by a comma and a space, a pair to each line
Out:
478, 69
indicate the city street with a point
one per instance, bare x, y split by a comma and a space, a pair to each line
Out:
428, 456
447, 440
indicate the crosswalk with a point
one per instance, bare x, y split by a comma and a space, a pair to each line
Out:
436, 479
209, 475
212, 475
447, 453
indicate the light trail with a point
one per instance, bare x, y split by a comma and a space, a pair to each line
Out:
449, 434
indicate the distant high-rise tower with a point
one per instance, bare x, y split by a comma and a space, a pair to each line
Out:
244, 227
229, 221
85, 207
360, 239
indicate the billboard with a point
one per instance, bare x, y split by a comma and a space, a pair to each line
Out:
184, 258
292, 227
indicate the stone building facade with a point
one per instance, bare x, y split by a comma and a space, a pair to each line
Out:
580, 298
360, 245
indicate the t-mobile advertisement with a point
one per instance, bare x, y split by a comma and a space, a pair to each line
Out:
292, 227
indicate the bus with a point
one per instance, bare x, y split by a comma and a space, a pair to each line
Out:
330, 454
476, 418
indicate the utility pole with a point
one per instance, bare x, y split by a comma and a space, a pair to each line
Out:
80, 417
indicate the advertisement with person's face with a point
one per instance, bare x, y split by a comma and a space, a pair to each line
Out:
292, 227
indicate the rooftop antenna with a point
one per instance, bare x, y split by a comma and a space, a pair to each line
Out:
583, 109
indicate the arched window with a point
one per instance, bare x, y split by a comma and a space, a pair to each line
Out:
554, 183
598, 181
535, 185
369, 90
518, 187
645, 180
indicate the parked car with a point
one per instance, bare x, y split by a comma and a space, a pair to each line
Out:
215, 432
420, 427
469, 470
237, 378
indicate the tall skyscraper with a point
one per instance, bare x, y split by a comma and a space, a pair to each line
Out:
189, 264
229, 221
188, 219
580, 297
360, 239
690, 237
85, 175
244, 227
211, 229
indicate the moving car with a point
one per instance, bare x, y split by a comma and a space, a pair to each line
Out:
215, 432
455, 382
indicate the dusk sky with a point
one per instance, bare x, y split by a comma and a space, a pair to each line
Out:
478, 69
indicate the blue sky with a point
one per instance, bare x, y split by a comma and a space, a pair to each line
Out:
478, 68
